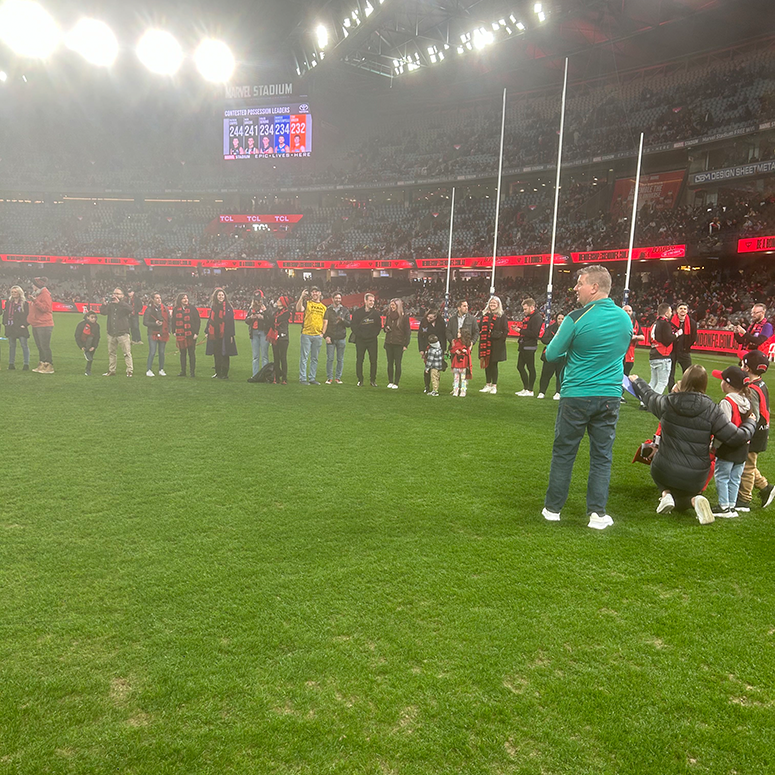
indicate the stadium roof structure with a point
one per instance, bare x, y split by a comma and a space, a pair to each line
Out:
460, 40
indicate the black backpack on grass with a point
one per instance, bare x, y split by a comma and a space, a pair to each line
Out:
264, 375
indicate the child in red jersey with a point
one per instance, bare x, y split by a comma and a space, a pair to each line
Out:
461, 363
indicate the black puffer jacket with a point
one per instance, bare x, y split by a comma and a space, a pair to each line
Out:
689, 420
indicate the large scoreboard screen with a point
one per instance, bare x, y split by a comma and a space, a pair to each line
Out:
268, 131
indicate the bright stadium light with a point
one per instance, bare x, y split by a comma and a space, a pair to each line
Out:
94, 41
160, 52
214, 61
520, 26
541, 17
27, 29
369, 9
322, 34
3, 76
537, 8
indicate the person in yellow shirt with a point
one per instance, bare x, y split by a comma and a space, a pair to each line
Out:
313, 330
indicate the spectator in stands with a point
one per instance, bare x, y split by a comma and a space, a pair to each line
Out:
156, 319
528, 344
430, 323
462, 320
755, 336
493, 331
397, 336
185, 326
87, 337
313, 329
221, 342
366, 325
682, 349
258, 321
338, 317
16, 329
135, 300
41, 319
119, 312
282, 317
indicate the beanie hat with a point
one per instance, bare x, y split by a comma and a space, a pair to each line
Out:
40, 282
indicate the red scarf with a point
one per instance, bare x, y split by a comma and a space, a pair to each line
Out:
216, 326
676, 323
485, 339
182, 323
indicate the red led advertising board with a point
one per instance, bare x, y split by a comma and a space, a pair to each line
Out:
638, 254
483, 262
755, 244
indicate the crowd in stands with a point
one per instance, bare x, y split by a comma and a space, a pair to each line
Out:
444, 143
587, 221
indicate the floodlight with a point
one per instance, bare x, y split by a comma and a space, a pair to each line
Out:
495, 26
513, 18
395, 63
460, 49
502, 22
214, 61
347, 22
537, 8
469, 46
94, 41
369, 9
27, 29
520, 26
322, 34
441, 57
433, 59
463, 37
160, 52
541, 16
3, 76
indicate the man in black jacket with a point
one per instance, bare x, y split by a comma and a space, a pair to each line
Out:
366, 325
119, 313
528, 344
682, 349
462, 320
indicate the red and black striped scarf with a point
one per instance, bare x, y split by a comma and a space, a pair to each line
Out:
485, 338
183, 324
13, 308
217, 323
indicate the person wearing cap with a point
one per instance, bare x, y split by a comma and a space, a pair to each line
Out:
313, 329
757, 334
730, 459
41, 320
682, 348
755, 364
593, 341
689, 420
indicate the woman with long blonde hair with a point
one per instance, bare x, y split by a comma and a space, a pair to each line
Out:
16, 329
493, 330
397, 336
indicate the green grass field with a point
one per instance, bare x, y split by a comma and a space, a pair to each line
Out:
200, 576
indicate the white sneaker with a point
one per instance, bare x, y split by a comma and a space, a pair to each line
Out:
666, 504
493, 389
540, 395
599, 523
486, 389
703, 510
149, 373
550, 516
162, 373
556, 397
529, 393
395, 387
390, 384
522, 392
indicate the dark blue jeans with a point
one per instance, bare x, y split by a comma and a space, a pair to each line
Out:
597, 415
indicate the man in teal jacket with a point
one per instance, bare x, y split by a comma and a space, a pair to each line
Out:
593, 340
